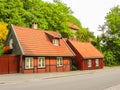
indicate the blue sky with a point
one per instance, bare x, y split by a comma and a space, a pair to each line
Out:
91, 13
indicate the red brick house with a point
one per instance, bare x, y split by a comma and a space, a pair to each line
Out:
39, 50
87, 56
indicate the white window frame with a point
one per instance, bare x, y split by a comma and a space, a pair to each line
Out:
89, 63
56, 42
41, 62
97, 62
28, 62
59, 61
11, 43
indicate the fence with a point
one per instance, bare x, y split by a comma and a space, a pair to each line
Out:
9, 64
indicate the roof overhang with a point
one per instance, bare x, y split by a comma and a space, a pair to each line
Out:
47, 55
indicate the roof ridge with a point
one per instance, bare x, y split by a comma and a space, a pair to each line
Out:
29, 28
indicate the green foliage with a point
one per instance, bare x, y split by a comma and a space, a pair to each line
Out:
111, 39
75, 21
113, 21
84, 35
74, 68
110, 58
49, 16
3, 32
1, 49
96, 42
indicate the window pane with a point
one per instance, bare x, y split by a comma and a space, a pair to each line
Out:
41, 62
31, 63
59, 61
89, 63
97, 62
11, 43
55, 42
28, 62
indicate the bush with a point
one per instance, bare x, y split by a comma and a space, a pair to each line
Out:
73, 67
110, 58
1, 49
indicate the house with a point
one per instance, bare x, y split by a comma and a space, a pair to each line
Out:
39, 50
87, 56
73, 27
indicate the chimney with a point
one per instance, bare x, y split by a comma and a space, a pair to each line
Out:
34, 25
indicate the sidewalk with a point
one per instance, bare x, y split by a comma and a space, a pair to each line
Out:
20, 78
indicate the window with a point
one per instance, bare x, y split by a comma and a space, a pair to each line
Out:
41, 62
28, 62
55, 42
89, 63
97, 62
11, 43
59, 61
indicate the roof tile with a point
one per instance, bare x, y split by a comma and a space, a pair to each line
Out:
87, 50
37, 43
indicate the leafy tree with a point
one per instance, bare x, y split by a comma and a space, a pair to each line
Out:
75, 21
3, 32
113, 21
111, 38
109, 58
11, 11
84, 35
96, 42
49, 16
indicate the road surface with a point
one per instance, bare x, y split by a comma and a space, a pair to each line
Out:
103, 80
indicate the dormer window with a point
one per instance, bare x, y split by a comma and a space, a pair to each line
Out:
56, 42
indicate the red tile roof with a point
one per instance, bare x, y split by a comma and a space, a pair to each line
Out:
73, 26
53, 34
37, 43
86, 50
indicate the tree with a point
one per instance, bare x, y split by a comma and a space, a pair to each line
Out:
49, 16
84, 35
3, 32
96, 42
111, 38
75, 21
11, 11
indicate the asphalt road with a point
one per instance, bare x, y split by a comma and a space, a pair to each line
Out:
92, 81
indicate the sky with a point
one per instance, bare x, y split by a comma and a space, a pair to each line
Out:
91, 13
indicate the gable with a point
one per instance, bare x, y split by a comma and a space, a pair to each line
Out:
16, 46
